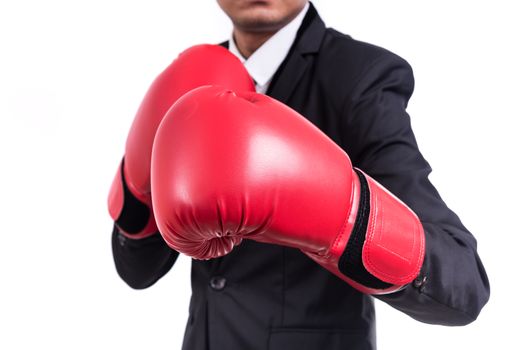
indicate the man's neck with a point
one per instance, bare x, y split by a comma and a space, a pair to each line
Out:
248, 42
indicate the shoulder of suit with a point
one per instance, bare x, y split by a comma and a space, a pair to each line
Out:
346, 60
355, 53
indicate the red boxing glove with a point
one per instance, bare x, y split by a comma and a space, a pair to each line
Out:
130, 194
228, 166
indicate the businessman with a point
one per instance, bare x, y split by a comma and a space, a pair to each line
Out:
274, 292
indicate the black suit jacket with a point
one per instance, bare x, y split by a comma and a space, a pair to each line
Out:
263, 296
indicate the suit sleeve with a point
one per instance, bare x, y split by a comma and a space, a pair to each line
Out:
141, 262
453, 286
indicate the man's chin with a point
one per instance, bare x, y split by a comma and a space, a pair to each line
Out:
259, 23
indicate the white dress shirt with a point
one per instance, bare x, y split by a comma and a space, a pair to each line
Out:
265, 61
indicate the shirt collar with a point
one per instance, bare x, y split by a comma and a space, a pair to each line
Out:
265, 61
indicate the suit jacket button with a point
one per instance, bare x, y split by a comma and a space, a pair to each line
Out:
121, 239
420, 281
217, 282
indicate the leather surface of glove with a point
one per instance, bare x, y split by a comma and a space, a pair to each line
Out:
130, 194
229, 166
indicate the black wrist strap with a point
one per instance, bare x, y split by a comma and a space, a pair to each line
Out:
135, 214
351, 261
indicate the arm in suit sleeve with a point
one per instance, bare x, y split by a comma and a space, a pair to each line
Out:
141, 262
452, 287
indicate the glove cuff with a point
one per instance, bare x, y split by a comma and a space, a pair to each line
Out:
133, 217
382, 248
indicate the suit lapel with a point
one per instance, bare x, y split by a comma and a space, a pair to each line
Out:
308, 41
282, 88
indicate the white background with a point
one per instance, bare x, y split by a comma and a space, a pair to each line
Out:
72, 75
